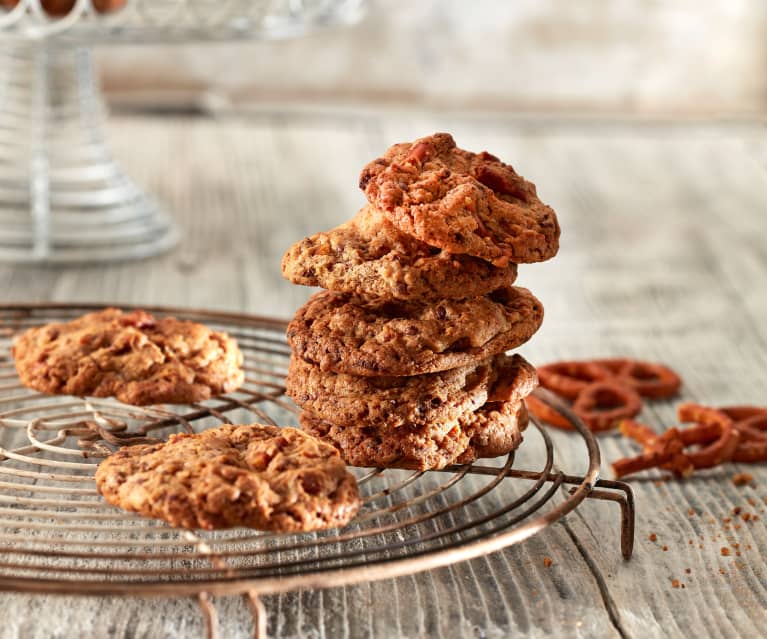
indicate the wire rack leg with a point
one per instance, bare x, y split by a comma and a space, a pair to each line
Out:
259, 615
620, 492
209, 615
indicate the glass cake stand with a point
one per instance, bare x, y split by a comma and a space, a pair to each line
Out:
63, 198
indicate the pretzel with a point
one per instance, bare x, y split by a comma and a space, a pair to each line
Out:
716, 452
751, 424
666, 450
545, 413
568, 379
714, 431
649, 379
739, 413
602, 404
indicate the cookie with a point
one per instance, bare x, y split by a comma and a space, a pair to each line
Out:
368, 256
494, 429
345, 334
394, 402
256, 476
461, 202
133, 356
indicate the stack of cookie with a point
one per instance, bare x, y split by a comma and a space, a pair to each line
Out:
402, 361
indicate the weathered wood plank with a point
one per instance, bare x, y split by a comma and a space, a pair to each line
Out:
663, 254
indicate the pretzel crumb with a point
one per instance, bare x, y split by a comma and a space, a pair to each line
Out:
741, 479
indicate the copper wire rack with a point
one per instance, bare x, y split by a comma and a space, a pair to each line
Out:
58, 536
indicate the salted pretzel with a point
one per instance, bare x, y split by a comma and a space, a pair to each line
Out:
602, 404
568, 379
546, 413
714, 432
649, 379
751, 423
603, 391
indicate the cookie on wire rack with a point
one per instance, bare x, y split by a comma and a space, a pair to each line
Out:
135, 357
255, 476
492, 430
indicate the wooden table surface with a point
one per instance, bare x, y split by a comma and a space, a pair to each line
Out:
664, 257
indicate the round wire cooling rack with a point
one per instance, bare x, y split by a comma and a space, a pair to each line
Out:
63, 197
58, 536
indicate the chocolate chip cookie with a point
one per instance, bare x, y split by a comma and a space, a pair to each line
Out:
256, 476
133, 356
461, 202
394, 402
492, 430
368, 256
345, 334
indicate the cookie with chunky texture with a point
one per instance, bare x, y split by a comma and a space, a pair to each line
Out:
394, 402
133, 356
345, 334
492, 430
461, 202
368, 256
256, 476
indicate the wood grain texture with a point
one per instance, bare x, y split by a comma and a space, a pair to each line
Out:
663, 256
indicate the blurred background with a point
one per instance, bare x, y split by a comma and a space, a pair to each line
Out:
646, 59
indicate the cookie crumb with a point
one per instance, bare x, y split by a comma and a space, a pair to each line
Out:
547, 561
741, 479
688, 571
665, 548
725, 551
675, 583
653, 537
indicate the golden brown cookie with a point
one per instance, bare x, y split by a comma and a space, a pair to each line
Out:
394, 402
344, 334
368, 256
133, 356
494, 429
461, 202
255, 476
